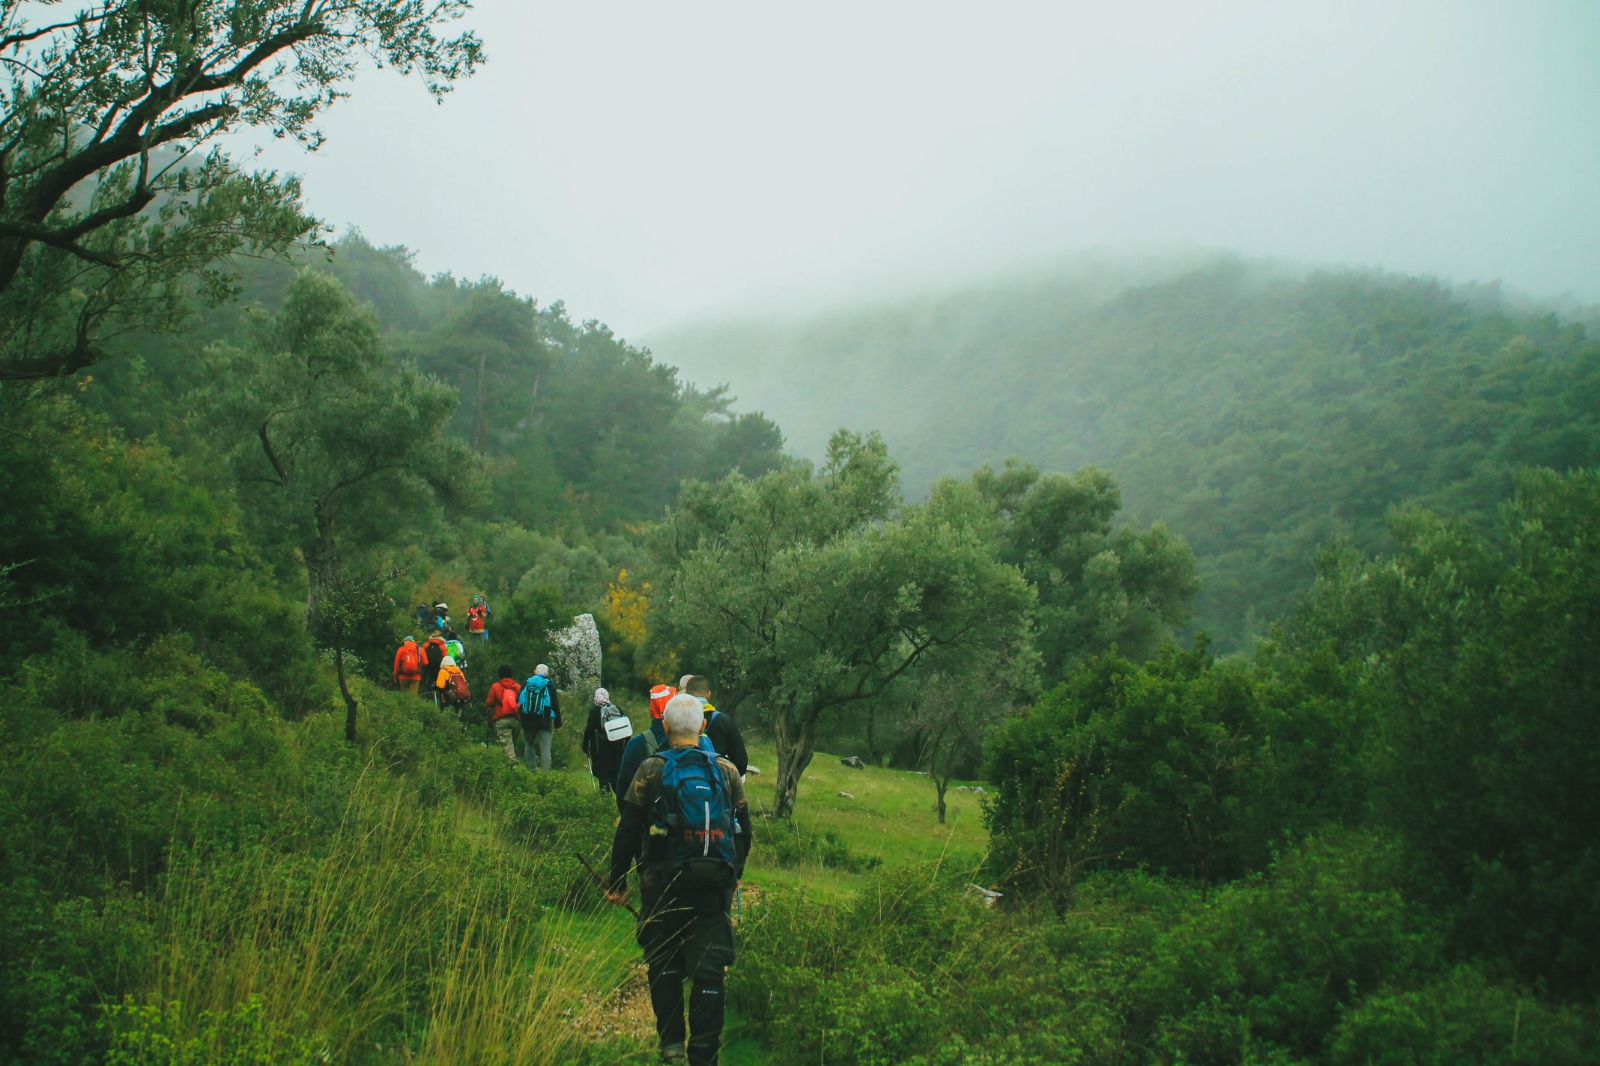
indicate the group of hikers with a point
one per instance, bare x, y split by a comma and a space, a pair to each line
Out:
435, 669
683, 820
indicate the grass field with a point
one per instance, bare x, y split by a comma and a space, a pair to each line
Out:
890, 818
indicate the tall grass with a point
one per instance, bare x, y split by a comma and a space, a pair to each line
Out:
410, 932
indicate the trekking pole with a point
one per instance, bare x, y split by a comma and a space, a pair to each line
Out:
600, 881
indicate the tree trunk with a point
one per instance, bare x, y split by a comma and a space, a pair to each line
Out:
318, 563
941, 784
477, 409
795, 746
344, 690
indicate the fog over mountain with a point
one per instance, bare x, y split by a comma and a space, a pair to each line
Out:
653, 164
1262, 411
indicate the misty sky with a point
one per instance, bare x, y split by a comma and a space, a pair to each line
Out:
652, 162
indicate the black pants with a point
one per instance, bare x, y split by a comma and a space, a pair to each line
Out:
687, 935
606, 760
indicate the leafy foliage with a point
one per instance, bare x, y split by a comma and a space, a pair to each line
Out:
1481, 662
1099, 588
1182, 764
1257, 412
332, 441
804, 591
114, 213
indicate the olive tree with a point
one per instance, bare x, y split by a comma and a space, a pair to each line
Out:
117, 202
813, 590
1100, 586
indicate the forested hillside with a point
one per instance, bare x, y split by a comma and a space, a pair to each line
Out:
234, 459
1259, 413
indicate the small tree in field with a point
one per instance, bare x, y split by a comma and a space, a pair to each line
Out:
951, 708
351, 601
807, 590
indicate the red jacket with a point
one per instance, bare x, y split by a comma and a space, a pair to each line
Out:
411, 671
492, 700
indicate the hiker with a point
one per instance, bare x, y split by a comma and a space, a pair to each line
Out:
478, 620
425, 617
540, 707
645, 744
451, 684
690, 861
433, 653
441, 617
408, 666
502, 703
720, 728
605, 737
454, 647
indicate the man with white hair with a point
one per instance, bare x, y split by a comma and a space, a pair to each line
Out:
540, 708
685, 821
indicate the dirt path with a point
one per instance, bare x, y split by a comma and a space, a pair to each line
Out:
624, 1013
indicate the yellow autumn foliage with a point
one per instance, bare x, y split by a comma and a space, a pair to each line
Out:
627, 610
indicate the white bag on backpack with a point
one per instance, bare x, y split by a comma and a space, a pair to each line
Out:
615, 723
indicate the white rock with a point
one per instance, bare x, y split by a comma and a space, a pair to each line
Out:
989, 896
576, 658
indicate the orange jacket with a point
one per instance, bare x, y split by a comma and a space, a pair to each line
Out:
405, 670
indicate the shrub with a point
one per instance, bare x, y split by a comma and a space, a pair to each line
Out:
1268, 966
239, 1036
1462, 1016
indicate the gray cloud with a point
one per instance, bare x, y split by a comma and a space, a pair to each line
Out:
654, 162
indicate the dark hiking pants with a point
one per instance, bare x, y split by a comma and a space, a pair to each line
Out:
687, 935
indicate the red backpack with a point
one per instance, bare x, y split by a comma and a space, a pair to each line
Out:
455, 690
508, 702
410, 660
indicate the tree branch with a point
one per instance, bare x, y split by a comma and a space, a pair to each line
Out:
23, 38
137, 201
29, 233
82, 354
272, 453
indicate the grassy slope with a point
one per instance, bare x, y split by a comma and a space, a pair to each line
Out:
892, 818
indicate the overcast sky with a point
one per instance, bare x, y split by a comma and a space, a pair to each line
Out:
655, 161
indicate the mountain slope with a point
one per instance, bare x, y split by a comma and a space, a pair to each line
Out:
1259, 412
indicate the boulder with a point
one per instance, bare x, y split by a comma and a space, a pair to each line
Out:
576, 658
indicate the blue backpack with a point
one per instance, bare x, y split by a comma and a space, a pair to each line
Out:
697, 812
534, 700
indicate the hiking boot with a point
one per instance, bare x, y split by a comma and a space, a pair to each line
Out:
674, 1053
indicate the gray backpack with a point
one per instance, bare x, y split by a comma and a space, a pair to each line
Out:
615, 723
